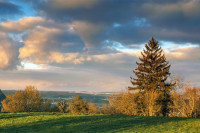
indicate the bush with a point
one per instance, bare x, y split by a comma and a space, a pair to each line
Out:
62, 106
122, 103
186, 103
78, 106
93, 109
134, 103
108, 109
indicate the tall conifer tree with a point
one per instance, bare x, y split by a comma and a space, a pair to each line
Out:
152, 73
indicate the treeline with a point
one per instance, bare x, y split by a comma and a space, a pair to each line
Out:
30, 100
184, 102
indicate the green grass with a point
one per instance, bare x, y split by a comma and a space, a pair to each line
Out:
47, 122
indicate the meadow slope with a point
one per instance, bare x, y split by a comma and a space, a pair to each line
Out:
49, 122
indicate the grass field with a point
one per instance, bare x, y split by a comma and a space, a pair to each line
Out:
48, 122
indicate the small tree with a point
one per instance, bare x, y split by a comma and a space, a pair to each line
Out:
33, 99
14, 103
78, 106
152, 74
23, 101
186, 103
124, 103
62, 106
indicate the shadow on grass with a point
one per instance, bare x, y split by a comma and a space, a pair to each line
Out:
96, 123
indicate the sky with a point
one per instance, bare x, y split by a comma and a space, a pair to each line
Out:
93, 45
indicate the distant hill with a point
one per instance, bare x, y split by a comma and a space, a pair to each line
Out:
98, 98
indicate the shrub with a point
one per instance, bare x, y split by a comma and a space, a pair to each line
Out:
134, 103
93, 109
62, 106
78, 106
122, 103
186, 103
108, 109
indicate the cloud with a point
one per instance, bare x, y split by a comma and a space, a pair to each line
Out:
9, 53
88, 32
137, 21
66, 57
21, 84
188, 70
64, 79
176, 21
185, 53
21, 25
188, 8
44, 45
70, 4
74, 32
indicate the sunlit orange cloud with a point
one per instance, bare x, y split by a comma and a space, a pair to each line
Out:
40, 48
8, 52
185, 53
21, 25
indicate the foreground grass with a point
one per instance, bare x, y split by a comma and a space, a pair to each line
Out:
48, 122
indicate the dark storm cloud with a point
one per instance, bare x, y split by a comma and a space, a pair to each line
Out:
8, 8
176, 21
105, 12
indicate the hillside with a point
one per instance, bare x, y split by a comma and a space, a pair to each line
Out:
48, 122
97, 98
